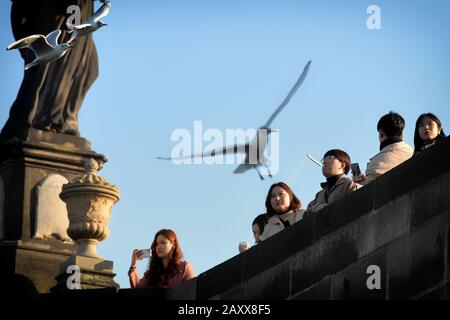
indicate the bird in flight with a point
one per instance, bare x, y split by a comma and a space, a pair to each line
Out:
254, 150
45, 48
92, 24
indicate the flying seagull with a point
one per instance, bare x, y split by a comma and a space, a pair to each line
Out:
254, 150
92, 24
45, 48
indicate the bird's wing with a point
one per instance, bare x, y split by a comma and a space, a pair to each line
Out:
102, 12
240, 148
24, 42
52, 37
41, 47
82, 26
290, 95
243, 167
77, 27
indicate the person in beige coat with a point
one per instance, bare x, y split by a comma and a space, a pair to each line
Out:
336, 164
393, 151
283, 209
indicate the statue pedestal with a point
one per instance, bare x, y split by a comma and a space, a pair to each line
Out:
81, 272
33, 243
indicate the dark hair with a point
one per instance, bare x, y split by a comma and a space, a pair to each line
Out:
295, 202
260, 221
156, 274
342, 156
392, 124
418, 142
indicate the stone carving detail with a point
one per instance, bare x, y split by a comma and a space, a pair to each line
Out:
89, 201
51, 212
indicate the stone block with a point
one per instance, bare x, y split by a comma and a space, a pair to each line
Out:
352, 282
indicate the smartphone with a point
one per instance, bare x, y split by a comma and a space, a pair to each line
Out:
356, 171
145, 253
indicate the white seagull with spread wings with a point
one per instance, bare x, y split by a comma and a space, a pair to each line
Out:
45, 48
259, 141
92, 24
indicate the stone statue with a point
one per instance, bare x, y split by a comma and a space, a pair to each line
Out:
51, 94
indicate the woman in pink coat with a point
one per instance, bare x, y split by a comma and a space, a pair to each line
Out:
166, 268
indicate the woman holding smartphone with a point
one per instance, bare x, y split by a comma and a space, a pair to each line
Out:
166, 267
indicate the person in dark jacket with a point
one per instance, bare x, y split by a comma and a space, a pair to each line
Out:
428, 132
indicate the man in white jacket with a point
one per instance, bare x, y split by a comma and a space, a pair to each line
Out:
393, 151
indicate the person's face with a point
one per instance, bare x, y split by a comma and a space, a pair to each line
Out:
256, 232
279, 199
332, 166
428, 129
163, 246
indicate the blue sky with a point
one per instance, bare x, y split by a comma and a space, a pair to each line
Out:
166, 64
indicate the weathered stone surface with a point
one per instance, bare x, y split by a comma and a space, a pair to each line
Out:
430, 199
319, 291
326, 257
383, 225
351, 283
417, 262
22, 166
273, 284
95, 273
2, 209
31, 266
188, 291
51, 213
439, 293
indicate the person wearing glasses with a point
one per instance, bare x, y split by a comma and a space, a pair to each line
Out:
336, 165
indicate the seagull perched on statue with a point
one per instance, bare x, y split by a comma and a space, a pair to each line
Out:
45, 48
254, 150
92, 24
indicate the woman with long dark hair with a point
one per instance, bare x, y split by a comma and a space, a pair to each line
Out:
283, 209
428, 132
166, 267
